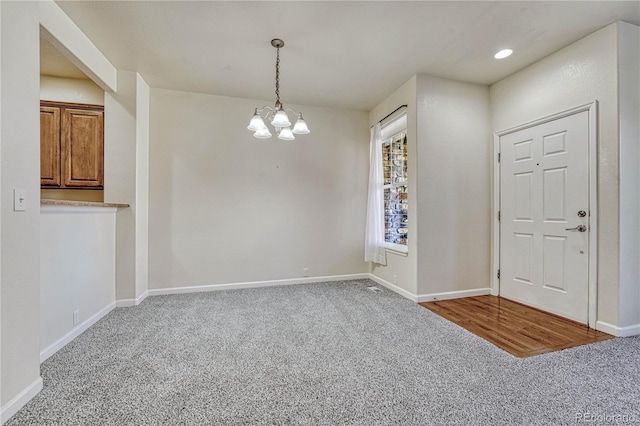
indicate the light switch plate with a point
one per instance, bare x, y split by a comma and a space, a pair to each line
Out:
19, 200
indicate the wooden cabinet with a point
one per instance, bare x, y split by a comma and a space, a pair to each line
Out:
71, 145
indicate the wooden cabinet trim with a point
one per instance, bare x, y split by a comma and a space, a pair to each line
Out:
71, 105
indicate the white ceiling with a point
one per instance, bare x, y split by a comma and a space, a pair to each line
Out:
338, 53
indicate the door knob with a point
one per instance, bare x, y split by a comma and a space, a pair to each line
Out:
579, 228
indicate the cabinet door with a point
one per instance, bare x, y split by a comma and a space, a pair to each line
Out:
82, 148
50, 146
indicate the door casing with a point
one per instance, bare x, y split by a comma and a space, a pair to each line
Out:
592, 109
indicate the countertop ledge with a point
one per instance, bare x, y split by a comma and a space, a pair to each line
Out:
49, 202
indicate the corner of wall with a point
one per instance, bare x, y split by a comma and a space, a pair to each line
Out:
628, 67
142, 187
20, 400
454, 149
120, 130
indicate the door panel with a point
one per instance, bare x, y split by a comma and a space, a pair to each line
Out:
554, 258
523, 187
544, 183
523, 262
555, 192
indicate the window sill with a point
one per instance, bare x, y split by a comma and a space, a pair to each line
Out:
397, 252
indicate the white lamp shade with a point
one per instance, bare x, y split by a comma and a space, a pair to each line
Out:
286, 134
256, 123
300, 127
281, 119
262, 133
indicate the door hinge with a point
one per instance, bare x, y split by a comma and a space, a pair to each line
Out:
498, 157
498, 216
498, 273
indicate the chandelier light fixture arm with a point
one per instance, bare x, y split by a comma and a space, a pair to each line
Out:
277, 115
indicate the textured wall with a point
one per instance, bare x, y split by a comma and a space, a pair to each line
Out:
629, 103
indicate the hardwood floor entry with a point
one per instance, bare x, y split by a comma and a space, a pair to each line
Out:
518, 329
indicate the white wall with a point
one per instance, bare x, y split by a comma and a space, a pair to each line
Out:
229, 208
77, 265
119, 176
126, 163
19, 168
581, 73
401, 269
454, 181
70, 90
629, 122
1, 214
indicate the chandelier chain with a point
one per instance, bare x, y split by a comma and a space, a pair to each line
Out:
277, 115
278, 77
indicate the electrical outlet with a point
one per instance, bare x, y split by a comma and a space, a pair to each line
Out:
76, 317
305, 272
395, 279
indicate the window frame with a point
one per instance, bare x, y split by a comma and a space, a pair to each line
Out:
398, 128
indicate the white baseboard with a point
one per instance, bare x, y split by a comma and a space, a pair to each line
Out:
628, 331
255, 284
453, 294
127, 303
393, 287
78, 330
419, 298
21, 399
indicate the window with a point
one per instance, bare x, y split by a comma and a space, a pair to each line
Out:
395, 195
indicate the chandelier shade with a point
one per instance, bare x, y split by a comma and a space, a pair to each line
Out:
256, 122
262, 133
277, 115
281, 119
286, 134
300, 128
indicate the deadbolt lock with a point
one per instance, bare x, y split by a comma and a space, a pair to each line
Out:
582, 213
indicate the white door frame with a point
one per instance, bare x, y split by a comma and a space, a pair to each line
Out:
592, 109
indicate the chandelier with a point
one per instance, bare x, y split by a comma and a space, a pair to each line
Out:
278, 114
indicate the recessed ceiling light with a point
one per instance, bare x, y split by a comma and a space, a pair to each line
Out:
503, 53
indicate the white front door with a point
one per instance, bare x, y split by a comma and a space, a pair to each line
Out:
544, 224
